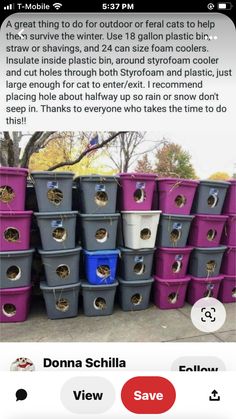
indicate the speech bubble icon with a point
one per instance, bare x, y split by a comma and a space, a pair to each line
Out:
21, 394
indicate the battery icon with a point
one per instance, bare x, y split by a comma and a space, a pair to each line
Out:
224, 6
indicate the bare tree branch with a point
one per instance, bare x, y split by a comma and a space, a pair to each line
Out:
85, 152
9, 149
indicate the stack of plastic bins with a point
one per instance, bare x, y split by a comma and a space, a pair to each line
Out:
99, 222
139, 229
227, 293
172, 254
205, 235
60, 255
15, 252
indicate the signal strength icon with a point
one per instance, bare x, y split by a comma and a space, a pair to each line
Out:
57, 6
9, 7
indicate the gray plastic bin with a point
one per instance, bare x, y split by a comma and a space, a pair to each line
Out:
135, 265
53, 190
57, 229
135, 295
15, 268
98, 300
61, 302
205, 262
99, 231
98, 194
173, 230
209, 197
61, 267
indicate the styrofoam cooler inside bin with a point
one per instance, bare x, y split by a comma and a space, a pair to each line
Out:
99, 231
206, 262
14, 303
227, 291
135, 265
210, 196
173, 230
230, 200
134, 295
203, 287
172, 262
61, 266
15, 268
229, 231
98, 300
98, 194
169, 294
53, 190
61, 302
57, 229
100, 266
228, 265
15, 230
136, 191
176, 195
206, 230
12, 188
140, 228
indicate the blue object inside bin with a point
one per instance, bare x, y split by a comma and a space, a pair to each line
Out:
100, 266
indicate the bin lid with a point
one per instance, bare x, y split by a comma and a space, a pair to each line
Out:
208, 279
137, 251
85, 285
175, 250
16, 253
45, 287
172, 180
138, 176
56, 253
15, 214
64, 214
210, 217
216, 183
172, 281
106, 217
21, 290
142, 212
176, 217
22, 171
54, 175
97, 178
210, 249
138, 283
102, 252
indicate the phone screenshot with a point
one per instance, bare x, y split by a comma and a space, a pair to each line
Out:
117, 210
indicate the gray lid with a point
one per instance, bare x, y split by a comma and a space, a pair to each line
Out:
54, 175
56, 253
210, 249
45, 287
137, 283
14, 253
95, 287
137, 251
217, 183
53, 215
97, 178
179, 217
106, 217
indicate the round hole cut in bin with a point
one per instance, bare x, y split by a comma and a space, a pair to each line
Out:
203, 287
61, 302
176, 195
98, 300
61, 267
172, 263
12, 188
100, 266
229, 231
99, 231
136, 191
57, 229
134, 295
206, 262
230, 200
173, 230
53, 190
15, 230
140, 228
135, 265
228, 265
169, 294
227, 291
209, 197
98, 194
206, 230
14, 303
15, 268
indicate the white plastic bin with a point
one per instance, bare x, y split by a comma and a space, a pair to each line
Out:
140, 228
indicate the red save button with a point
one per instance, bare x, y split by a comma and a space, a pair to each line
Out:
148, 395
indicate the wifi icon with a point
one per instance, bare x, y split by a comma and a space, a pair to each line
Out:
57, 6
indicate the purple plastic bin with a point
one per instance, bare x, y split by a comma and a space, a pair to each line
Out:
203, 287
14, 304
176, 195
15, 230
136, 191
206, 230
227, 292
229, 231
228, 265
172, 262
12, 188
171, 293
230, 199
